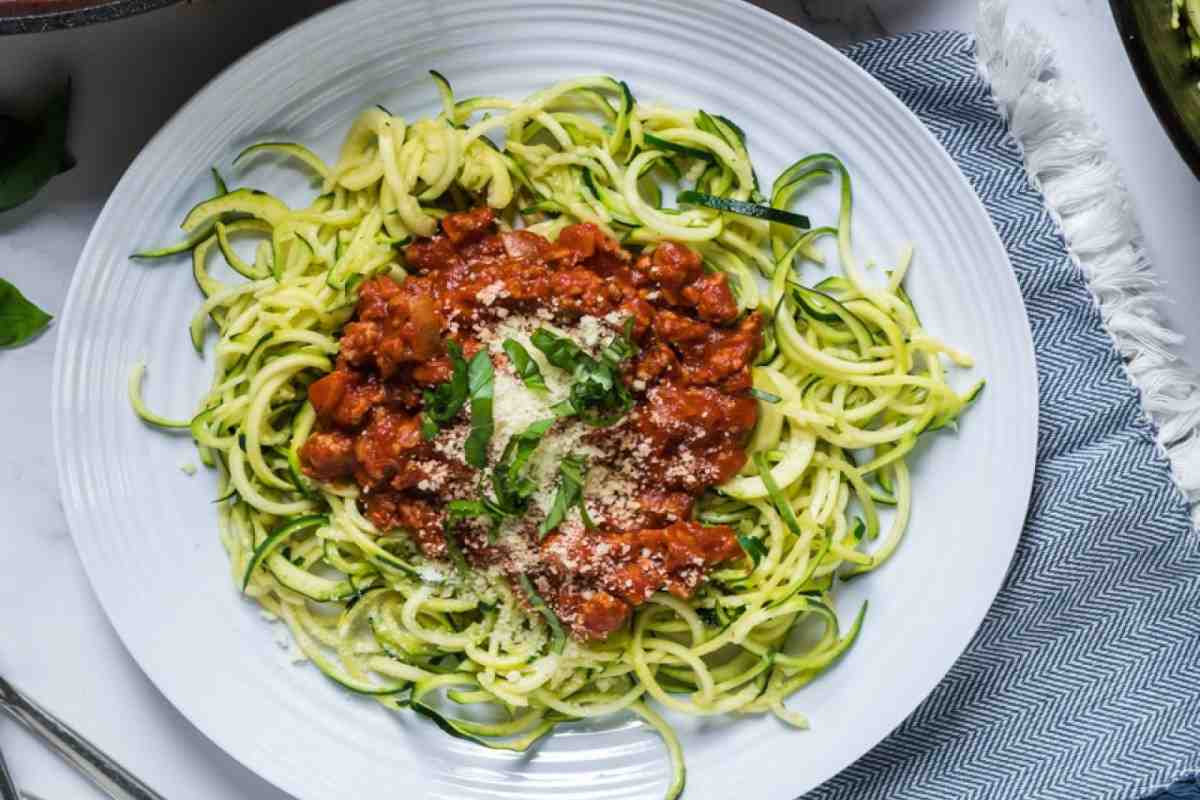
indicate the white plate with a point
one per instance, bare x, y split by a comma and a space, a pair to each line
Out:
146, 532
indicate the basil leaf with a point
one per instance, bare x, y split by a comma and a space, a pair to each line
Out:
521, 446
526, 368
782, 506
766, 397
558, 637
20, 320
513, 490
598, 395
622, 347
458, 510
572, 472
480, 384
753, 547
465, 509
455, 513
563, 408
447, 399
559, 350
34, 153
558, 511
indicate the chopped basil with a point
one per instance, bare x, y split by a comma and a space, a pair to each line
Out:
777, 497
622, 347
480, 385
766, 397
20, 320
572, 472
598, 396
526, 368
558, 638
559, 350
511, 489
753, 547
33, 153
457, 511
447, 399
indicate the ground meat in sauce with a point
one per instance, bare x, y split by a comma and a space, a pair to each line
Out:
686, 432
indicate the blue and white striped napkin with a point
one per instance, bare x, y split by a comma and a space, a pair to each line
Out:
1084, 679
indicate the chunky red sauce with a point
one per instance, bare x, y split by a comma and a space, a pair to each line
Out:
685, 433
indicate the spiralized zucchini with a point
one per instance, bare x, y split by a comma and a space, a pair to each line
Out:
1185, 14
848, 380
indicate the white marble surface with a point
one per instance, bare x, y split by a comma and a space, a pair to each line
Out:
130, 76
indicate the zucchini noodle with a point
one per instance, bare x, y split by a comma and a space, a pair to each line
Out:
1185, 14
847, 381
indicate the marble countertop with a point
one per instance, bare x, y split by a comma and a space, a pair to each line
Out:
130, 76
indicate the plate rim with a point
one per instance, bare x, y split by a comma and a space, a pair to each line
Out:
75, 514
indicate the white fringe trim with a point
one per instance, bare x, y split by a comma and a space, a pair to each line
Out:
1066, 159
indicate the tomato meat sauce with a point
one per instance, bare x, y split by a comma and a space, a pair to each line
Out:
686, 432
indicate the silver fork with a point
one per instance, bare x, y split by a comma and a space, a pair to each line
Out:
111, 778
8, 788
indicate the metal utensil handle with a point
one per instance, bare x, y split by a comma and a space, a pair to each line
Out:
112, 779
8, 787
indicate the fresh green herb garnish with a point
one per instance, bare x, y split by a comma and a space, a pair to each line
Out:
20, 320
455, 513
753, 547
459, 510
511, 489
558, 638
559, 350
766, 397
622, 347
447, 399
481, 386
777, 498
572, 471
598, 396
526, 368
34, 153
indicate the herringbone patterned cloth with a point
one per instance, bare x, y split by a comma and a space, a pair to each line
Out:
1084, 680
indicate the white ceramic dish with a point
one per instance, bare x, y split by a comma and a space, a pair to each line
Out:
146, 531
